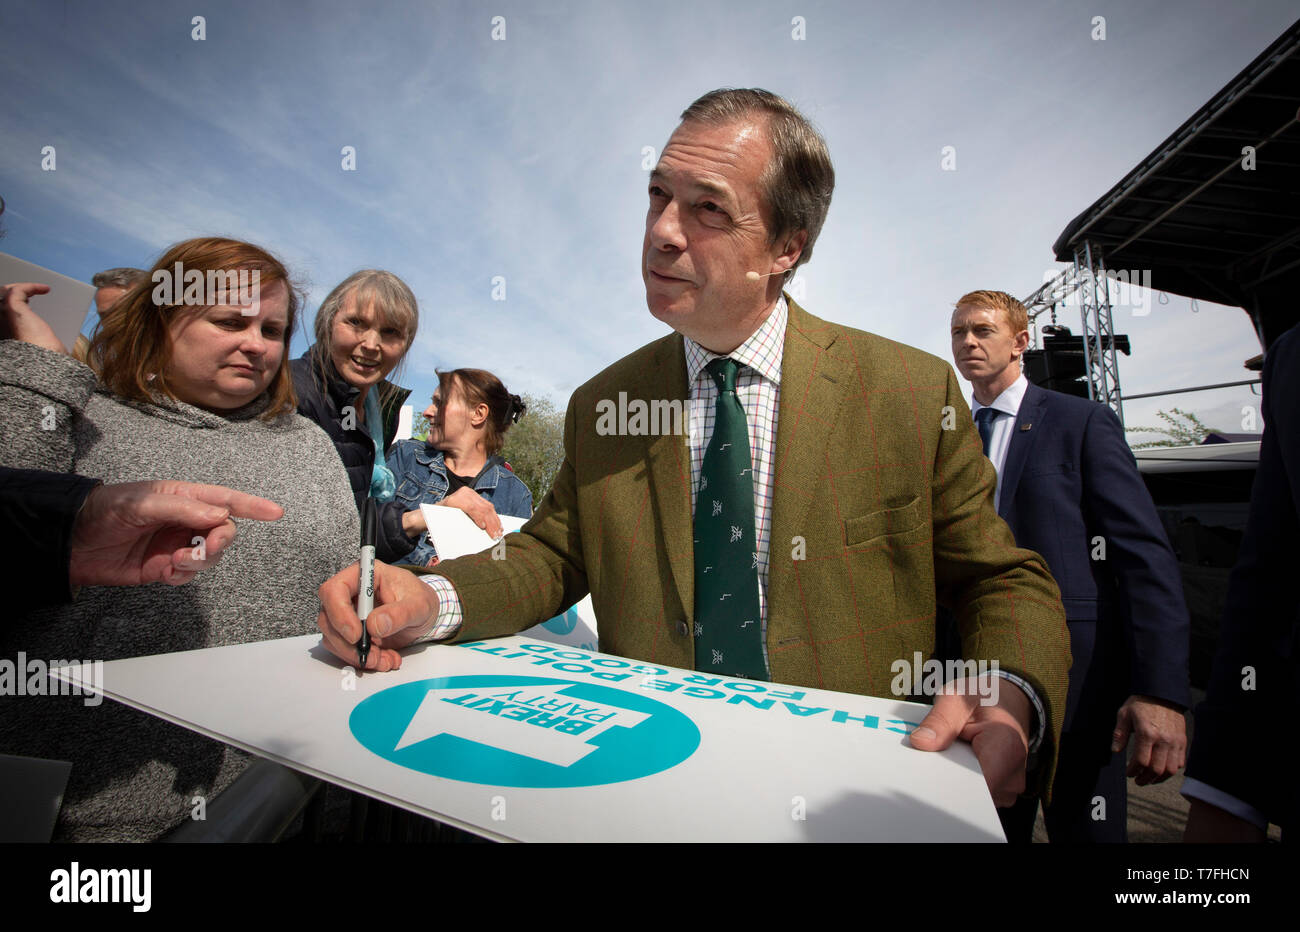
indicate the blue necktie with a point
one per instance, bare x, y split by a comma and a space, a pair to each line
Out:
984, 421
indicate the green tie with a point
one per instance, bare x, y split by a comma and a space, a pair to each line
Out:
728, 638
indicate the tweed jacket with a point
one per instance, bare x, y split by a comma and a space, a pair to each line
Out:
883, 503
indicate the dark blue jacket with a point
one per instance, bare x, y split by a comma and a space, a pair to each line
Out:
1243, 738
421, 476
322, 400
1071, 491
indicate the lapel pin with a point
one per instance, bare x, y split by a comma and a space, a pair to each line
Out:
1026, 426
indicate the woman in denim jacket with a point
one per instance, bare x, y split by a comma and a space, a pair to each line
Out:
460, 465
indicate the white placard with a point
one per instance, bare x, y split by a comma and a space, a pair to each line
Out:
66, 306
516, 739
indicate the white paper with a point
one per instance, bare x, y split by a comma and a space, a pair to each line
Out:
405, 419
65, 307
454, 535
736, 760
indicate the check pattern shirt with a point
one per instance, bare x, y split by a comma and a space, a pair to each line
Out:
758, 386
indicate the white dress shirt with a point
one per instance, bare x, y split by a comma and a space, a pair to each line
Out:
1004, 423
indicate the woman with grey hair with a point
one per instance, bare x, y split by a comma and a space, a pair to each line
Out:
363, 330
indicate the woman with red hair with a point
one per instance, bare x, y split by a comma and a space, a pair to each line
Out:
193, 384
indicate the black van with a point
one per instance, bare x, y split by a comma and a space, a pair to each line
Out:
1202, 494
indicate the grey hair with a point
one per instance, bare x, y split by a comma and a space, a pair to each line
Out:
799, 180
117, 278
391, 297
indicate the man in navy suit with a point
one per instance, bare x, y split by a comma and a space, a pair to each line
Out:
1069, 488
1241, 776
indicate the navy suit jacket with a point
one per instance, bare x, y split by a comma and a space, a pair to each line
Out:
1244, 728
1069, 479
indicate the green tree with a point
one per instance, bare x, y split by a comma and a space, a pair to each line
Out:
420, 428
535, 445
1182, 428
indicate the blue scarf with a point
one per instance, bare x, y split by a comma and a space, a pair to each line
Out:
382, 484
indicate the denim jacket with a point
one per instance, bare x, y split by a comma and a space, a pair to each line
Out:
421, 479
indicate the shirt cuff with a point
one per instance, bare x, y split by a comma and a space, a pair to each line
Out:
1195, 789
449, 612
1040, 714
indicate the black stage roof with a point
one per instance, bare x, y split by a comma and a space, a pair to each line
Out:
1206, 227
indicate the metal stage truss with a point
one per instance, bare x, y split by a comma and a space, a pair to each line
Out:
1086, 278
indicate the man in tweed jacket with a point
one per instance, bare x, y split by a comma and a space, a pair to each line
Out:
871, 492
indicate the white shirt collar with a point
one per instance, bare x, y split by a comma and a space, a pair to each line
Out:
762, 352
1009, 401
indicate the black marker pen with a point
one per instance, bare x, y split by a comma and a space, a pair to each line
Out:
366, 589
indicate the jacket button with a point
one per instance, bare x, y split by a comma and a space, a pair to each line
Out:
682, 630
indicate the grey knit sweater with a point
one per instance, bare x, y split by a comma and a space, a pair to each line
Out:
135, 776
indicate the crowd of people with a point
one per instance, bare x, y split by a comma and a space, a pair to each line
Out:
864, 523
191, 415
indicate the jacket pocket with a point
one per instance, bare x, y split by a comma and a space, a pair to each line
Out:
1053, 469
409, 492
898, 520
1079, 609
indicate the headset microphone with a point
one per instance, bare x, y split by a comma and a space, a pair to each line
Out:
754, 276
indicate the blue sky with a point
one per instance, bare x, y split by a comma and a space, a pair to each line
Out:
523, 157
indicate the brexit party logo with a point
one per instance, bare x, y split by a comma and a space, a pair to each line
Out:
531, 731
563, 624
